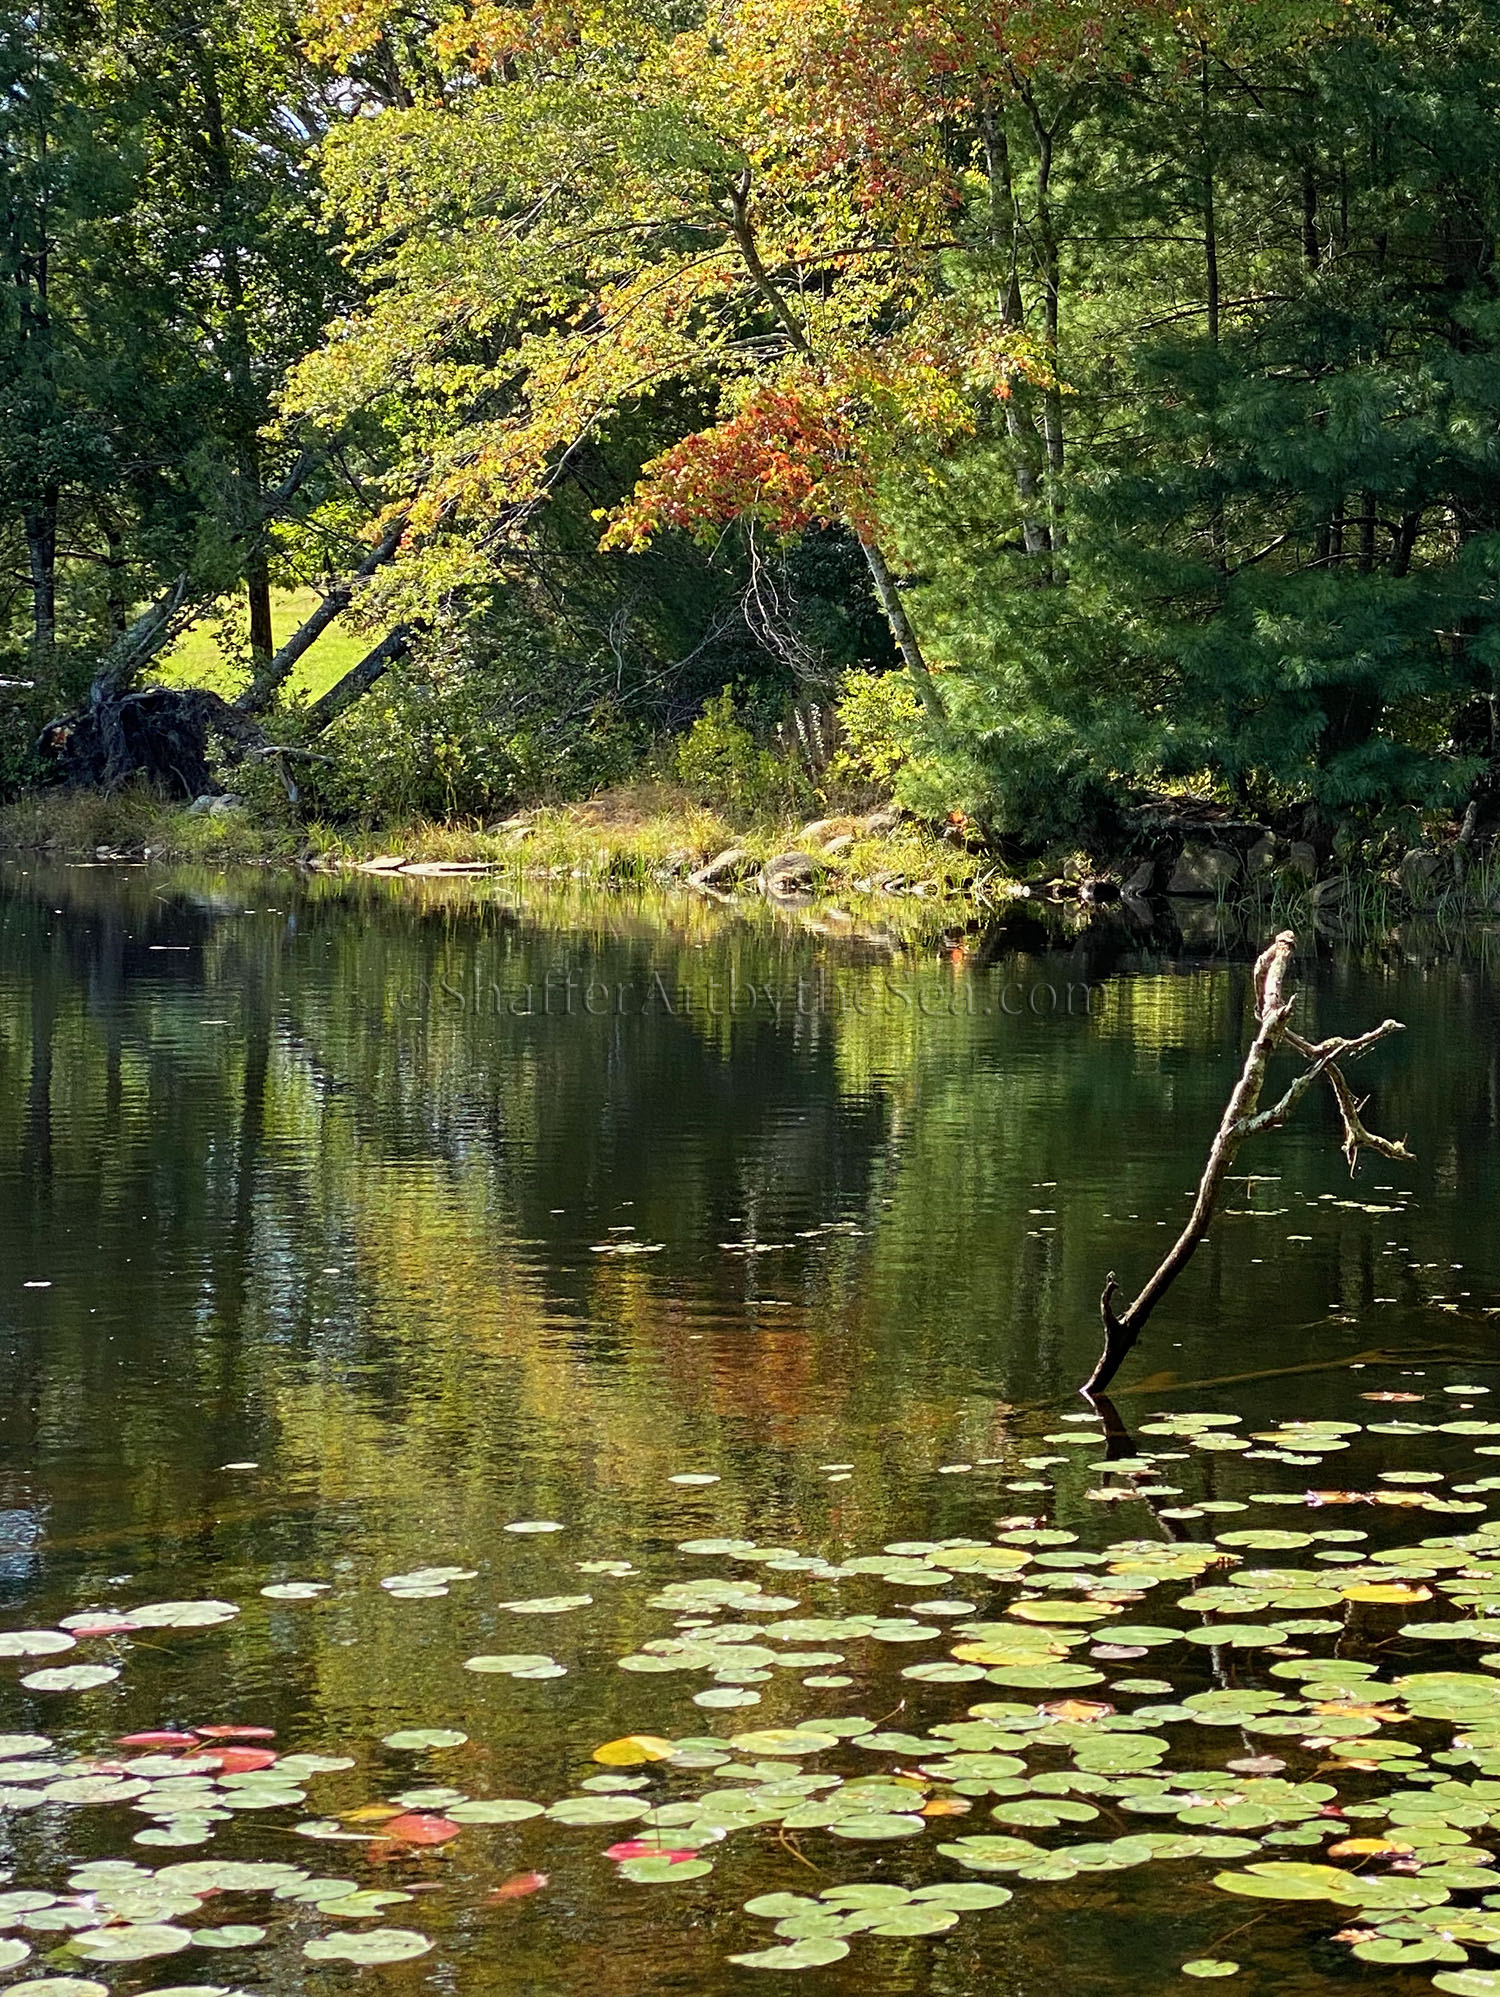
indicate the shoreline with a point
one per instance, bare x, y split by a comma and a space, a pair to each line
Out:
843, 866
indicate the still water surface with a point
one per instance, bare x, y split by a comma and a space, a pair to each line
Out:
343, 1226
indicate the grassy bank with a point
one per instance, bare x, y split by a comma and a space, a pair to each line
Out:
646, 834
654, 835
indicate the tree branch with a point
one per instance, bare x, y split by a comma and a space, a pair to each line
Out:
1244, 1118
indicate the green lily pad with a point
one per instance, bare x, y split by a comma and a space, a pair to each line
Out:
375, 1945
413, 1739
71, 1678
963, 1895
132, 1943
652, 1871
1239, 1636
810, 1954
1208, 1965
57, 1986
494, 1810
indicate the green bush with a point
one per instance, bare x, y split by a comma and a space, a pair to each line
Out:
720, 763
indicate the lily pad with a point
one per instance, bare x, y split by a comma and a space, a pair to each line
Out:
374, 1945
811, 1954
71, 1678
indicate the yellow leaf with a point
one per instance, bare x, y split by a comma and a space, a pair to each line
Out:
632, 1749
1387, 1591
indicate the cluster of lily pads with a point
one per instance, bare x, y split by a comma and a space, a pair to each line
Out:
1316, 1761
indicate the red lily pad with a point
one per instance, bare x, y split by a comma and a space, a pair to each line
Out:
158, 1739
414, 1828
244, 1760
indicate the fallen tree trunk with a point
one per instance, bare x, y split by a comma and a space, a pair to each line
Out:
360, 678
1242, 1118
267, 683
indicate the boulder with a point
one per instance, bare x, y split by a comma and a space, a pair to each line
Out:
1326, 893
840, 843
1204, 870
1418, 870
1142, 881
819, 829
213, 804
789, 877
885, 820
1303, 859
730, 865
1262, 856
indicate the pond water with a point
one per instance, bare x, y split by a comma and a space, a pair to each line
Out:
346, 1229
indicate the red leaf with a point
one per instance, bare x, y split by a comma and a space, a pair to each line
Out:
414, 1828
157, 1740
516, 1887
103, 1626
244, 1760
235, 1733
646, 1848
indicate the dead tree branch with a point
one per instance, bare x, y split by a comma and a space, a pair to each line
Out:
1242, 1118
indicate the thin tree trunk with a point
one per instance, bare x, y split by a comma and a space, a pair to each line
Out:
258, 593
886, 591
41, 555
1311, 252
1052, 404
1004, 233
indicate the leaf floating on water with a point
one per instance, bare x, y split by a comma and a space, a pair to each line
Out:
413, 1739
412, 1827
13, 1746
57, 1986
547, 1605
71, 1678
1208, 1966
519, 1886
631, 1750
241, 1936
34, 1642
495, 1810
423, 1578
517, 1664
535, 1525
811, 1954
296, 1591
12, 1952
376, 1945
183, 1615
131, 1943
664, 1868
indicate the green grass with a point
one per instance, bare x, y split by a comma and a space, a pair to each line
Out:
198, 659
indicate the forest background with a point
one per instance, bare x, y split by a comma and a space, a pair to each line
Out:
1027, 409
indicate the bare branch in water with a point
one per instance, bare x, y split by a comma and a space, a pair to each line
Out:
1242, 1118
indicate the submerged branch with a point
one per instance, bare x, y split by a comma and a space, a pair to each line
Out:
1244, 1118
